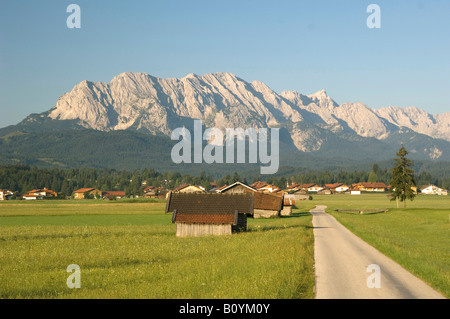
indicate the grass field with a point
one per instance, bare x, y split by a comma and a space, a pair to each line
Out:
128, 249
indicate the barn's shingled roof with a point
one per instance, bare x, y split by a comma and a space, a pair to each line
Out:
208, 208
267, 201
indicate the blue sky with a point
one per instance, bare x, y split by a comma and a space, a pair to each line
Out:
289, 45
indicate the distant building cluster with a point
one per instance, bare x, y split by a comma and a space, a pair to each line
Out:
224, 209
291, 193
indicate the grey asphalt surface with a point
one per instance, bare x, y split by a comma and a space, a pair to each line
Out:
341, 267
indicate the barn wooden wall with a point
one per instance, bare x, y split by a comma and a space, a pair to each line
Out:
265, 213
186, 229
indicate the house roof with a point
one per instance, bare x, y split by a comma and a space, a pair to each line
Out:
374, 185
84, 190
208, 208
180, 187
334, 185
270, 188
221, 187
154, 189
431, 185
224, 188
293, 185
257, 185
114, 193
42, 190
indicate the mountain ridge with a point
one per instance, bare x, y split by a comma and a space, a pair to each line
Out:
310, 124
129, 98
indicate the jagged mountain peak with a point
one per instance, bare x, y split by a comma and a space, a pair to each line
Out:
139, 101
191, 76
322, 94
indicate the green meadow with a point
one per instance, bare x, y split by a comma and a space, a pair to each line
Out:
128, 249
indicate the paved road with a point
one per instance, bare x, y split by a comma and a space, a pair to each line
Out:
341, 266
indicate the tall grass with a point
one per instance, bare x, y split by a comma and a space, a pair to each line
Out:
138, 256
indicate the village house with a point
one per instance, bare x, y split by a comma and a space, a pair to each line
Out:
38, 194
218, 189
305, 187
370, 187
258, 185
213, 185
269, 189
413, 188
108, 195
325, 191
337, 187
342, 188
200, 214
292, 186
155, 192
433, 190
82, 192
6, 194
355, 191
313, 188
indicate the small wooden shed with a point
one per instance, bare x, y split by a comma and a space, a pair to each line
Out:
198, 214
267, 205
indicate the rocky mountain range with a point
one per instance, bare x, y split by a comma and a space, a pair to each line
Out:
311, 124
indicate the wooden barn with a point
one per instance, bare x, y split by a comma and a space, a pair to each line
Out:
288, 203
236, 188
197, 214
267, 205
187, 188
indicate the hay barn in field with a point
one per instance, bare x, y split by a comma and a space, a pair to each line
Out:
267, 205
198, 214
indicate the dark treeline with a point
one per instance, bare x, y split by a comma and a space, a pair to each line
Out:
23, 178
